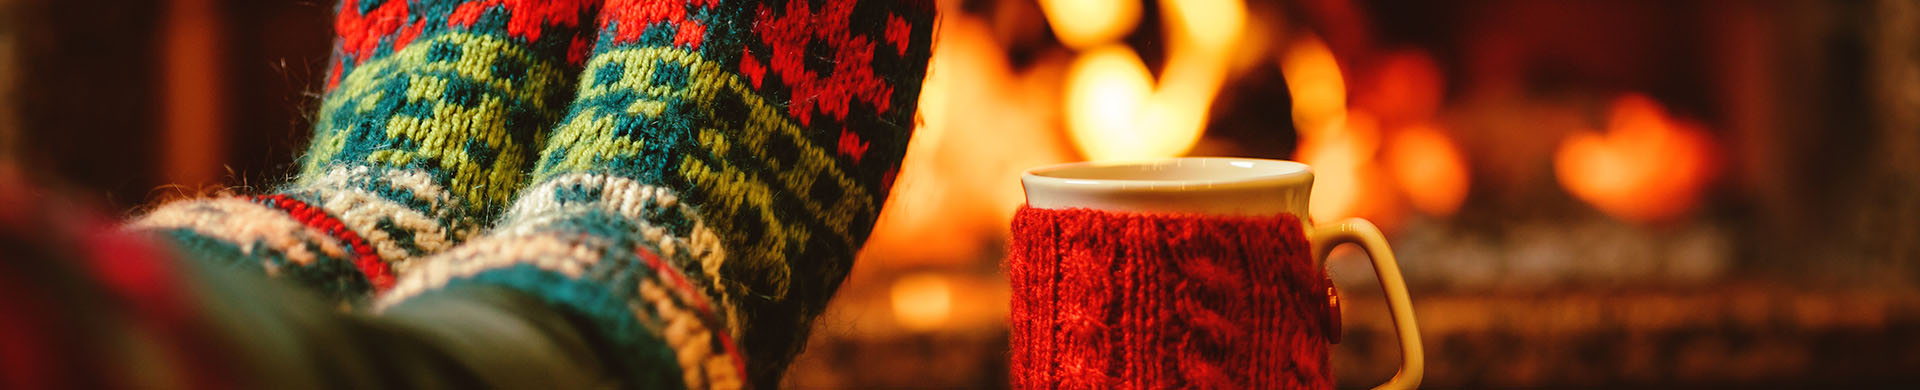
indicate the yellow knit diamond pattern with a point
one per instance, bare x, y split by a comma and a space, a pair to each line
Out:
733, 190
446, 134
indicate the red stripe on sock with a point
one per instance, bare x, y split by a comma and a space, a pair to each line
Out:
364, 258
698, 301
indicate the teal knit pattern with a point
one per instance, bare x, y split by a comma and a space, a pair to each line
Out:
433, 111
606, 249
748, 144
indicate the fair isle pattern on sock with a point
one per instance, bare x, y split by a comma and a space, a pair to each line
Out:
616, 252
287, 240
779, 123
462, 90
402, 213
433, 111
659, 217
439, 107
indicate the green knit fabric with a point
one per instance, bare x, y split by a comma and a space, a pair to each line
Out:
748, 144
690, 177
432, 113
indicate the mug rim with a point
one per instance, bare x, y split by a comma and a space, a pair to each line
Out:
1272, 172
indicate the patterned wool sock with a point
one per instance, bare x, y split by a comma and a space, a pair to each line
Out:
719, 167
433, 112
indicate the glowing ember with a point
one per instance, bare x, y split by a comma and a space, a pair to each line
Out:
957, 187
1086, 23
1115, 110
922, 301
1428, 168
1647, 167
1406, 85
1211, 24
1106, 93
1338, 143
1344, 175
1313, 79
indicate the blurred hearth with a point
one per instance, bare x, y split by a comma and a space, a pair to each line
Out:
1725, 335
1635, 194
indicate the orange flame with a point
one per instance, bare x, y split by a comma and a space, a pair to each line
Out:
1429, 169
958, 185
922, 301
1107, 93
1344, 178
1647, 167
1115, 110
1313, 79
1338, 142
1088, 23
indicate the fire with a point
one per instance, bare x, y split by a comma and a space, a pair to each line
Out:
1406, 85
1343, 170
1428, 168
980, 124
1313, 79
1107, 91
1093, 22
1338, 143
1116, 110
1355, 172
922, 301
1647, 167
1405, 88
1208, 24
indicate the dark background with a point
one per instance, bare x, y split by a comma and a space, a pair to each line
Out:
88, 97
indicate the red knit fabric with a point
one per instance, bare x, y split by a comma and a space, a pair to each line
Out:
1105, 300
364, 258
795, 34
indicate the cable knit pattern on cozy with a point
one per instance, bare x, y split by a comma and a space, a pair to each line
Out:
1106, 300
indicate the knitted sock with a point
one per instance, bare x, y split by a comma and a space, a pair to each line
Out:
1105, 300
86, 305
433, 111
727, 157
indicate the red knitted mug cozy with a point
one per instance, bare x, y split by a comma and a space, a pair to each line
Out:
1106, 300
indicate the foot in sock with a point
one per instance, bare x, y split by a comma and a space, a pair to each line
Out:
433, 112
718, 168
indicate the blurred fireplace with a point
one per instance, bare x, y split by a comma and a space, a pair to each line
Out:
1582, 193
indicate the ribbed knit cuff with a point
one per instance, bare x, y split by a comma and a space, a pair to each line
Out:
628, 257
276, 236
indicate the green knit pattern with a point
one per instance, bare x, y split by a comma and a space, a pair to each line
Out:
433, 111
749, 143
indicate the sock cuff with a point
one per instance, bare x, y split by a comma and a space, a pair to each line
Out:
662, 325
650, 214
281, 236
405, 213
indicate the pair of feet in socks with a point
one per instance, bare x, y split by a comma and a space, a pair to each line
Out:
694, 174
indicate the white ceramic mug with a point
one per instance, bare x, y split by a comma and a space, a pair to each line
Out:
1230, 186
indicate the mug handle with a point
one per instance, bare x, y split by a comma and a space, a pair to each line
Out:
1359, 231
